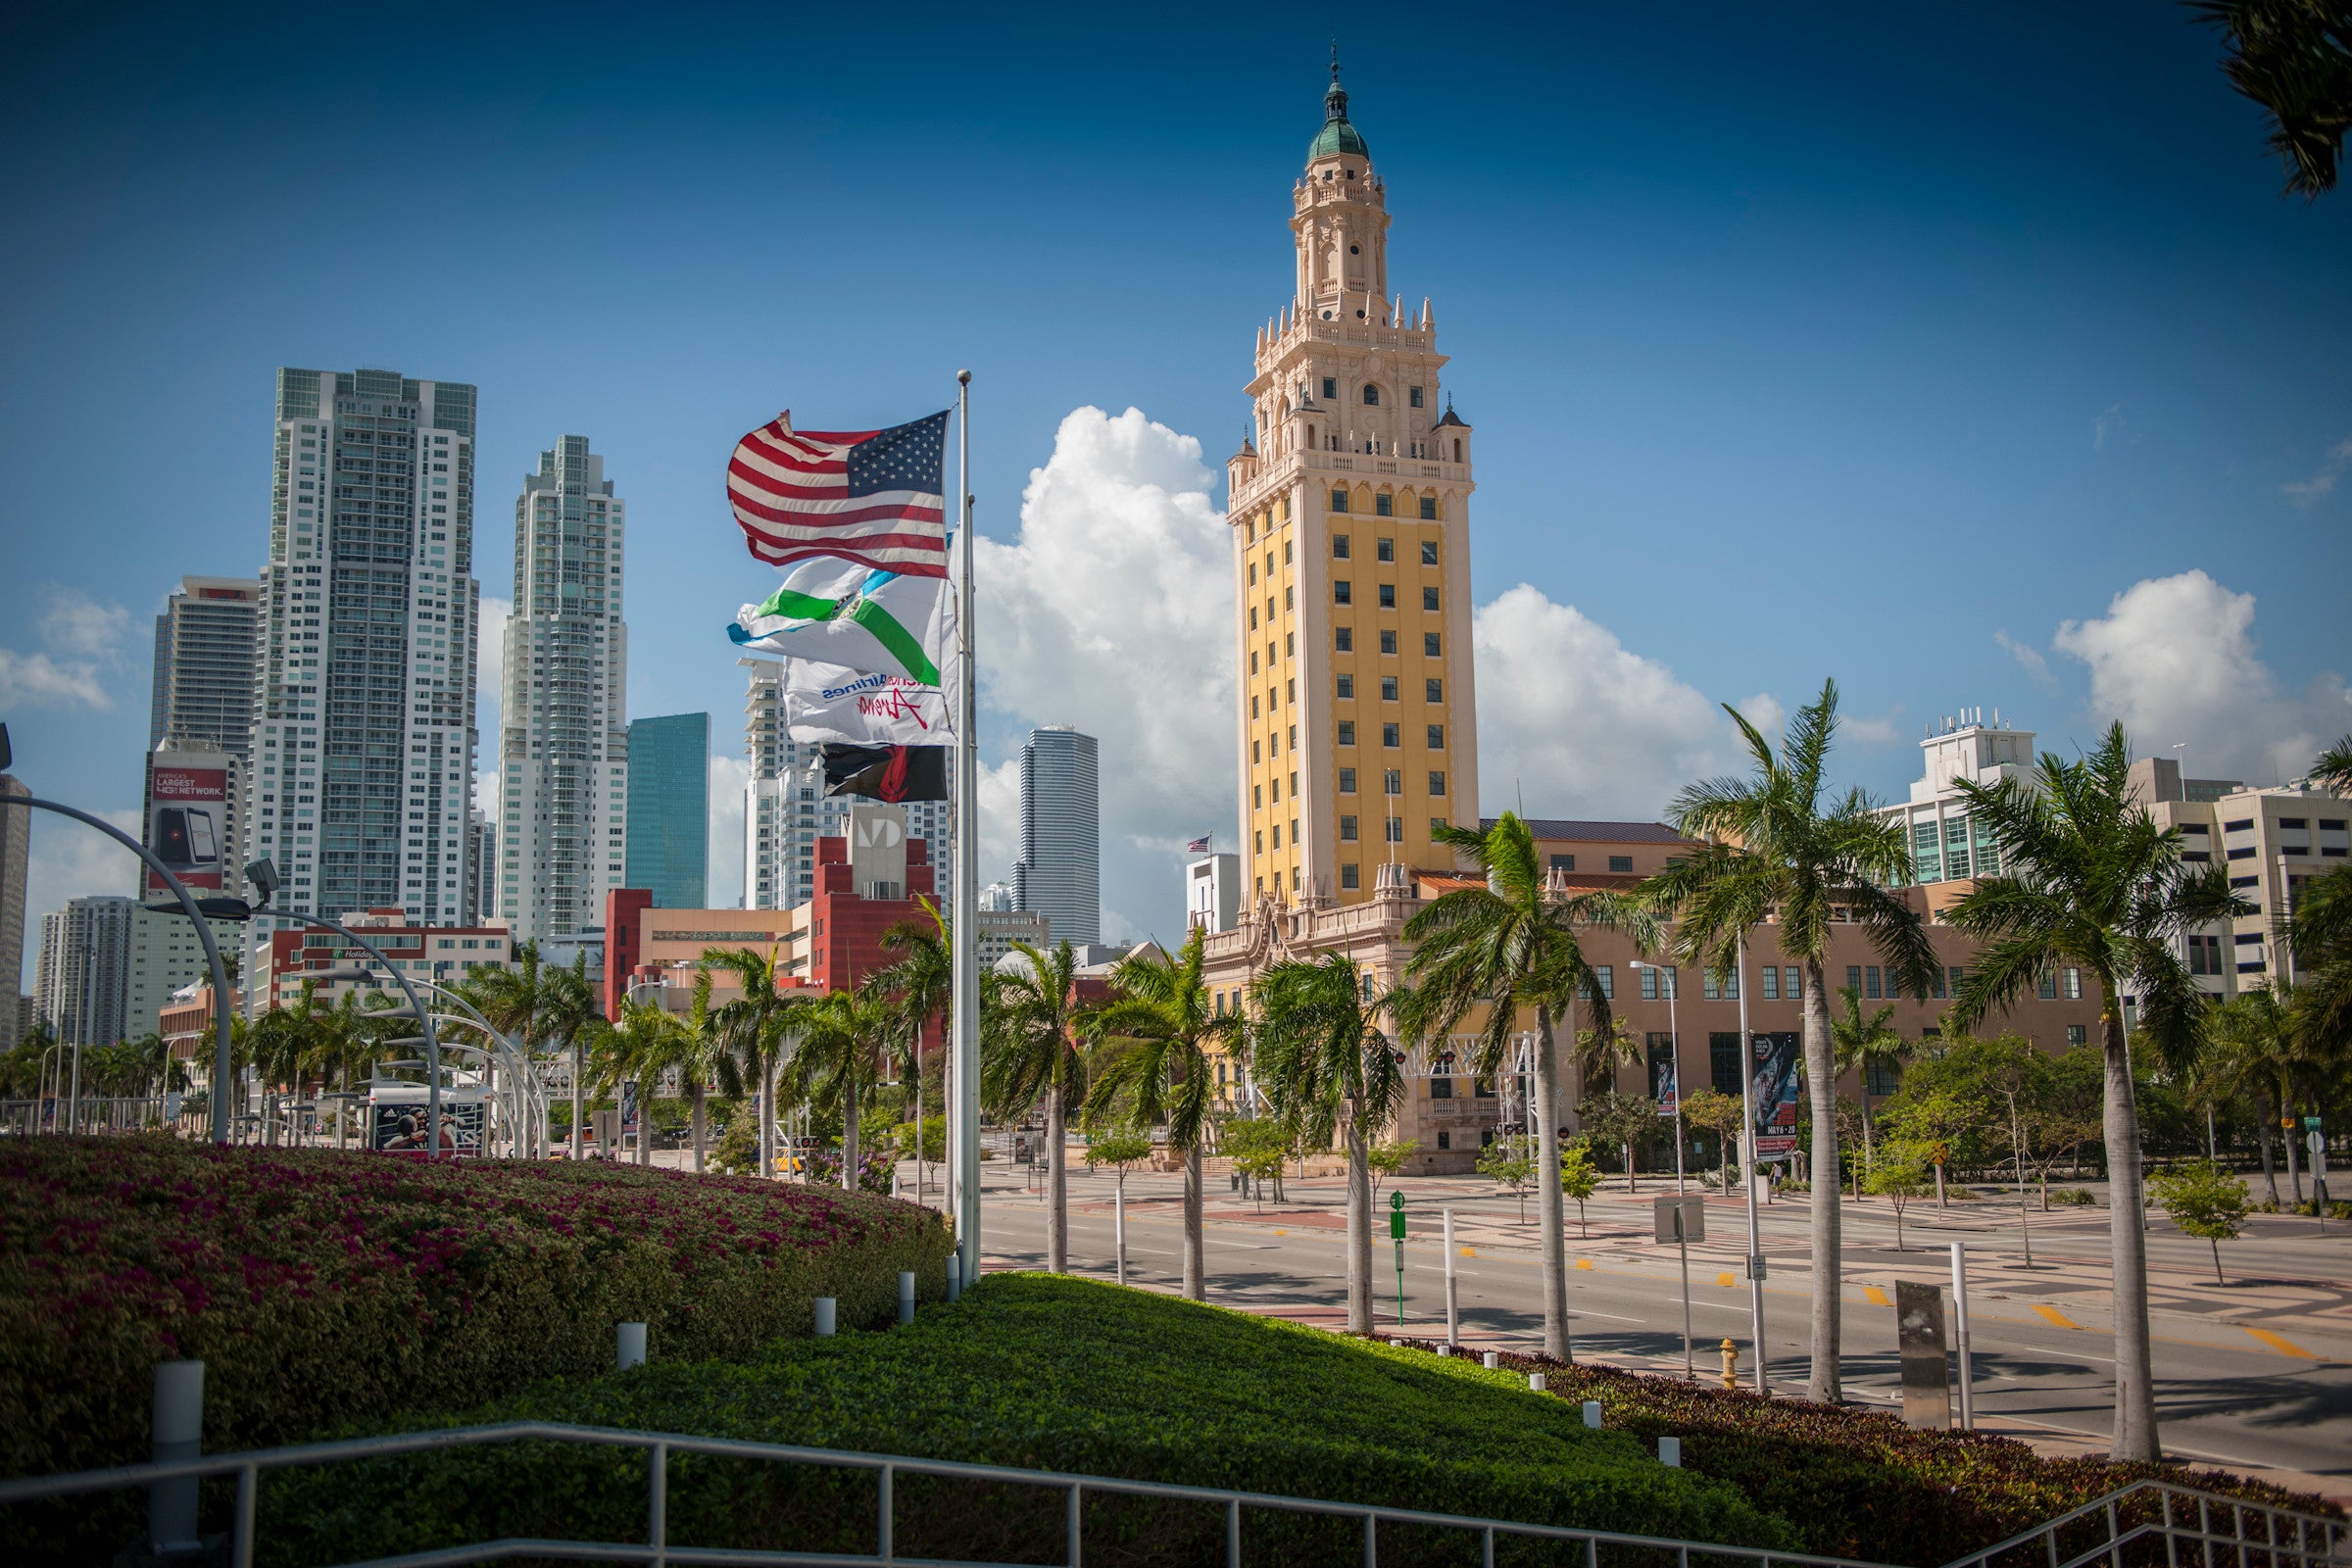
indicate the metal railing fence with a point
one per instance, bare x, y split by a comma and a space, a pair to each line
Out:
659, 1551
2160, 1518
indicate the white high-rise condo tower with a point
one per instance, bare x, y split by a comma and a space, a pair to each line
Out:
563, 746
362, 751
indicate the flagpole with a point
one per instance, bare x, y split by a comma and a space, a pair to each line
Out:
964, 920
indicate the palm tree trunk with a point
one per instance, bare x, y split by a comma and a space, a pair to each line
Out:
579, 1074
700, 1124
1823, 1211
1360, 1229
1195, 1269
2135, 1436
1057, 1192
849, 1132
1550, 1213
765, 1109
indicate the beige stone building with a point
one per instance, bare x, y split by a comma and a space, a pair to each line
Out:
1349, 510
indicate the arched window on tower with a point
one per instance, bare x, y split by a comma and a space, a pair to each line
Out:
1371, 396
1457, 448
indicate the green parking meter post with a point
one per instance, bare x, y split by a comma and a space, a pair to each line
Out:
1396, 1235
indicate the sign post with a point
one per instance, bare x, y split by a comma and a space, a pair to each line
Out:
2315, 1140
1454, 1302
1968, 1379
1681, 1221
1396, 1235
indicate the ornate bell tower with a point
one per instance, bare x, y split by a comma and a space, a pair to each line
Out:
1350, 509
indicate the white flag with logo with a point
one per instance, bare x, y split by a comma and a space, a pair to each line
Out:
862, 707
838, 613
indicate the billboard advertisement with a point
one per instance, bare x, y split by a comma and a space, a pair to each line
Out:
1775, 1062
187, 821
399, 1127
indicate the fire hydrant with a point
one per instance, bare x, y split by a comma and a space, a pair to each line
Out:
1730, 1365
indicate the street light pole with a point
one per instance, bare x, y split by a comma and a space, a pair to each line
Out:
222, 1011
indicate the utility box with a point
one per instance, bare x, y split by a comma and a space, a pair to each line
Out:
1920, 1344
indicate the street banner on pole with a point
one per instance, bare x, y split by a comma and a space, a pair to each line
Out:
1776, 1062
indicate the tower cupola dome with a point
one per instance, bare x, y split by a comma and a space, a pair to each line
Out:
1336, 136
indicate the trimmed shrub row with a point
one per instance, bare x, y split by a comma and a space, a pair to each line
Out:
1859, 1483
1047, 1373
323, 1290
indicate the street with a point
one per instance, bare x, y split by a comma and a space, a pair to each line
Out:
2257, 1373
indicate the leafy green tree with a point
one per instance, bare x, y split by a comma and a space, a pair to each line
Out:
1620, 1121
1718, 1113
647, 1042
2204, 1200
1323, 1058
1501, 950
1259, 1146
841, 1039
1580, 1179
1153, 1066
1901, 1174
752, 1034
1031, 1033
1506, 1164
1386, 1160
2319, 933
1777, 847
2294, 58
2090, 881
1861, 1045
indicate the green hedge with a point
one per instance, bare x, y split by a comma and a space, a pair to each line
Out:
1859, 1483
1037, 1372
322, 1289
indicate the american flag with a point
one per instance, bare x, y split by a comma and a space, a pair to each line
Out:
873, 496
1198, 846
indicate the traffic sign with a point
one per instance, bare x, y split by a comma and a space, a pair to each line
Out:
1682, 1219
1397, 1216
2311, 1123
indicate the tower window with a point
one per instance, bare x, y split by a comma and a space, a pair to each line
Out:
1392, 735
1341, 592
1436, 783
1429, 599
1347, 736
1346, 781
1371, 392
1393, 782
1437, 737
1354, 250
1388, 642
1384, 505
1388, 598
1388, 688
1346, 687
1429, 547
1331, 384
1457, 448
1414, 393
1344, 639
1338, 542
1429, 514
1348, 877
1430, 644
1346, 830
1434, 691
1339, 501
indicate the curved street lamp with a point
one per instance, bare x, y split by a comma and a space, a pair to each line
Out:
263, 874
227, 909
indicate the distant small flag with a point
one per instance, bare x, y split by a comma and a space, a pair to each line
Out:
874, 497
1199, 846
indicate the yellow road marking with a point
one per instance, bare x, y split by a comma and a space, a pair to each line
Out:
1282, 1233
1878, 1297
1469, 1252
1584, 1262
2052, 1315
2282, 1347
1723, 1279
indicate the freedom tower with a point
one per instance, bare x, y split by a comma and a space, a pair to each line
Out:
1350, 508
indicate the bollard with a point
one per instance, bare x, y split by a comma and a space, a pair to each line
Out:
824, 1317
1670, 1452
1535, 1383
1593, 1414
177, 1434
629, 1346
955, 1277
1446, 1350
1493, 1360
1730, 1365
905, 1297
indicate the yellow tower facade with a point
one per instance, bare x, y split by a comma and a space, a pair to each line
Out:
1349, 506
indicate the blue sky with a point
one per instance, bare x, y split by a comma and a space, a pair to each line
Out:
1827, 342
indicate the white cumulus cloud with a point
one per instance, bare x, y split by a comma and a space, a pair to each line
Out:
84, 642
2175, 659
1112, 610
32, 680
76, 624
2029, 660
1578, 726
2321, 483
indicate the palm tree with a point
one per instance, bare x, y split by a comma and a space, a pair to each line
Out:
2318, 932
2294, 58
1030, 1027
2249, 1053
1861, 1045
647, 1042
924, 979
1329, 1068
1778, 849
571, 1017
700, 1058
2090, 881
1599, 1052
519, 999
1151, 1060
841, 1038
1510, 947
751, 1032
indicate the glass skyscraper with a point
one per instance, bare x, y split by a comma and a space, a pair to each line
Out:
1059, 875
669, 809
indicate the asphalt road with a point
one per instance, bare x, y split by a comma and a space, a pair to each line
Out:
2224, 1392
